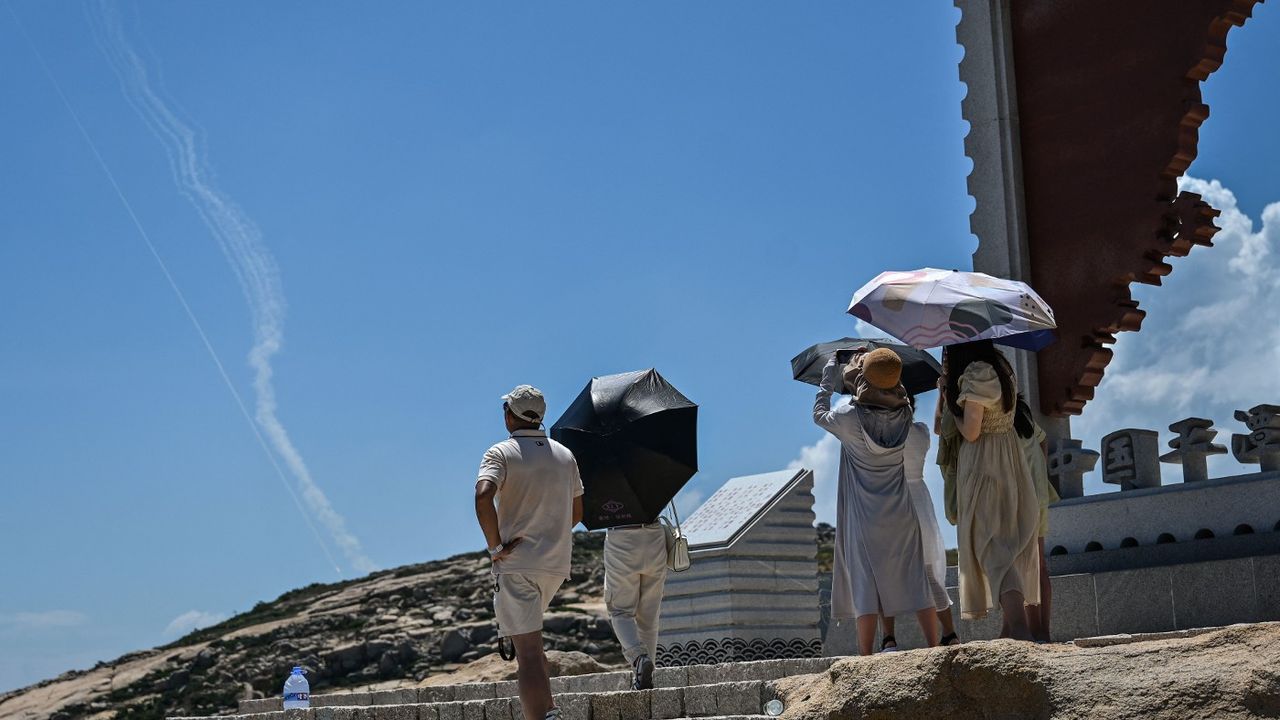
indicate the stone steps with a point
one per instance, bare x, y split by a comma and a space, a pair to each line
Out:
612, 682
740, 699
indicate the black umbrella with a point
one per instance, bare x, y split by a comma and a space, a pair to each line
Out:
920, 371
636, 440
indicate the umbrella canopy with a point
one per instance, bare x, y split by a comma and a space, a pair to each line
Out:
931, 308
636, 440
920, 370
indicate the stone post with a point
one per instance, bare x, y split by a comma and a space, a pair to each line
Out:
999, 219
1132, 459
1262, 444
1192, 447
1068, 462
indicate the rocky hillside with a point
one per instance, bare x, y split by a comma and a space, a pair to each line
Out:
391, 628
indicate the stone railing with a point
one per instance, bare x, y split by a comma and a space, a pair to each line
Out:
1146, 512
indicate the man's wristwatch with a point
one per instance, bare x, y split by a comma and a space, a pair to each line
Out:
493, 551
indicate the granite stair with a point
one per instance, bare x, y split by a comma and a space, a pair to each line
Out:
724, 691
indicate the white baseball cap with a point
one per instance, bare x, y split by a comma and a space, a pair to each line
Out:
526, 402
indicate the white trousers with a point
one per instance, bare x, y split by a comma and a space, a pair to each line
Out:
635, 569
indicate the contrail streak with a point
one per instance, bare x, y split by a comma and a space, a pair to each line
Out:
241, 243
168, 276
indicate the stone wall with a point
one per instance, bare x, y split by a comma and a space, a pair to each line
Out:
1153, 599
1217, 508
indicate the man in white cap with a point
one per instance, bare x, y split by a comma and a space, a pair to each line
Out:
535, 482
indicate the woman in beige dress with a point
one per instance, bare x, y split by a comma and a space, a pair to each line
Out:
996, 503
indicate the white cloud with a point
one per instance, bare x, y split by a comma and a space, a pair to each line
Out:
1210, 344
823, 458
192, 620
862, 330
43, 620
688, 500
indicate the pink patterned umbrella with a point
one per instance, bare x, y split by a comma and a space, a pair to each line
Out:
930, 308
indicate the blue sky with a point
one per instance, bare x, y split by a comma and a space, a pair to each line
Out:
459, 199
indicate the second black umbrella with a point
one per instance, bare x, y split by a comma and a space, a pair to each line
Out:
920, 371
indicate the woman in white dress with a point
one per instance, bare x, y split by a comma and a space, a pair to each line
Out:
935, 559
880, 566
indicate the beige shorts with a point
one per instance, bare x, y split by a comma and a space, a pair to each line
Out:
520, 600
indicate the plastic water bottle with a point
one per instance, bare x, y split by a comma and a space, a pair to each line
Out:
297, 691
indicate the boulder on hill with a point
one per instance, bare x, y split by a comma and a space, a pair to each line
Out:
1226, 674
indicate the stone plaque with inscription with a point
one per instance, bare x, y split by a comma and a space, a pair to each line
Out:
729, 512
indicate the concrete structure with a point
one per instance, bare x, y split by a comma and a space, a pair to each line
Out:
1146, 513
1221, 507
1156, 557
1076, 200
751, 592
1146, 599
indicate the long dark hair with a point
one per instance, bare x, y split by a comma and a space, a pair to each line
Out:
1023, 421
957, 359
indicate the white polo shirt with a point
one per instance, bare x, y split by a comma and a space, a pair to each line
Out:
537, 480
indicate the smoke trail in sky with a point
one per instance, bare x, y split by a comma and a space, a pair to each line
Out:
241, 242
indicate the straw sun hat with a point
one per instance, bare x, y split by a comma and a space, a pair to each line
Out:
881, 369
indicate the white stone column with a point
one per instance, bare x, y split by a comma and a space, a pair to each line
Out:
999, 218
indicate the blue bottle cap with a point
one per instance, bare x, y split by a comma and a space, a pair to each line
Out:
297, 670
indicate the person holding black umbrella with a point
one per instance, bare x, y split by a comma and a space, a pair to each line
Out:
880, 566
535, 482
635, 571
635, 437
